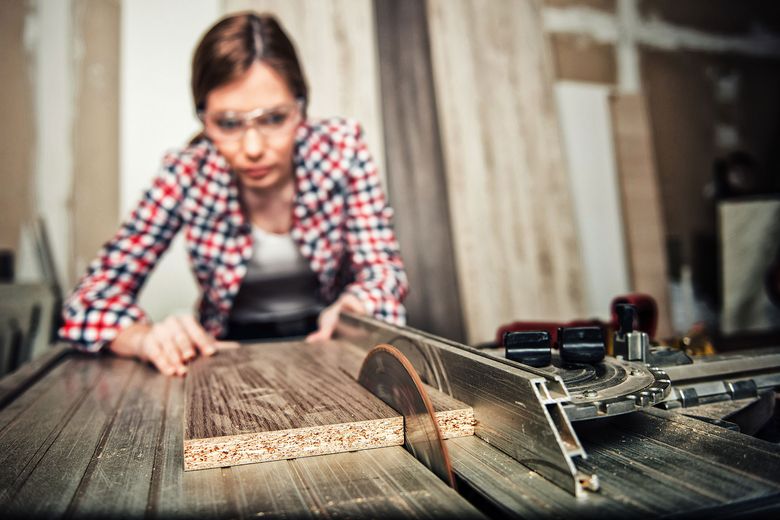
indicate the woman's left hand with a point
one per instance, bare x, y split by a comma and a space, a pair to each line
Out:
329, 316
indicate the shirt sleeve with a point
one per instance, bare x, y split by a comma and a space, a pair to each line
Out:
380, 279
104, 301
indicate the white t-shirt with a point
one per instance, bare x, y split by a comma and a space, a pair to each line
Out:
279, 284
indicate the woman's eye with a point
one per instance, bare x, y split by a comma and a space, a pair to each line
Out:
274, 119
228, 124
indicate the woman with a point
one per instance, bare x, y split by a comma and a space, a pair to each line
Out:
284, 218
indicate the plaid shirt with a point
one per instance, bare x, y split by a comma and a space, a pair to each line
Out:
341, 223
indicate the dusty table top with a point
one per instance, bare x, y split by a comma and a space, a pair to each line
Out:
102, 436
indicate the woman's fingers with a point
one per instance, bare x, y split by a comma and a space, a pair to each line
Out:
326, 323
317, 335
154, 351
168, 345
227, 345
200, 338
179, 335
173, 344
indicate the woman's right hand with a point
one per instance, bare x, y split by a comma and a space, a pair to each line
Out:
168, 345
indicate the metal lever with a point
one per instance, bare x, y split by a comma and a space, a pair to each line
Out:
629, 344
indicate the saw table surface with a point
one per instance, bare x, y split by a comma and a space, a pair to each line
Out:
103, 437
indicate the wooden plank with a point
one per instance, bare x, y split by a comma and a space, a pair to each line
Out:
633, 486
45, 489
30, 431
582, 58
415, 165
274, 489
348, 483
109, 488
17, 382
504, 488
650, 460
382, 483
516, 248
278, 401
744, 452
644, 226
643, 471
18, 141
602, 5
455, 418
174, 493
588, 138
94, 203
711, 465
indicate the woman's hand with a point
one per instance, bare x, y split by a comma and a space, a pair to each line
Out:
329, 316
168, 345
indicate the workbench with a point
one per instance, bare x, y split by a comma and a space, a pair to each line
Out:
100, 436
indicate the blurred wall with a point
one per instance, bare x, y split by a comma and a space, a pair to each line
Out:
17, 126
705, 73
60, 141
157, 115
517, 172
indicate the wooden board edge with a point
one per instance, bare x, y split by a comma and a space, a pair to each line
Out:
270, 446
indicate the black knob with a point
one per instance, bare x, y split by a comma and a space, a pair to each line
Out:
581, 344
528, 347
626, 316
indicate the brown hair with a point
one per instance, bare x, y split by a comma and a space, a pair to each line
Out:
233, 44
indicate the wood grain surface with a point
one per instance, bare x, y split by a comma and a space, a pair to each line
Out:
56, 435
415, 168
277, 401
455, 418
101, 437
516, 248
641, 202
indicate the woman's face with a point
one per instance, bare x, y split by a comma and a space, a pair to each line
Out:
252, 122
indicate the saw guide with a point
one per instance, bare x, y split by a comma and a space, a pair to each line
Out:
284, 400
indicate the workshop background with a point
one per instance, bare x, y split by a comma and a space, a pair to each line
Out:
542, 156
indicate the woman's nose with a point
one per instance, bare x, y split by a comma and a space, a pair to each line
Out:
254, 143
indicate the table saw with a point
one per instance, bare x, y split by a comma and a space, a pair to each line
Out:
102, 436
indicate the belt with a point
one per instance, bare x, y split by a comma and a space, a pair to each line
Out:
295, 328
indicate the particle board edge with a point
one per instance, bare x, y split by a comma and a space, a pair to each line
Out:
286, 444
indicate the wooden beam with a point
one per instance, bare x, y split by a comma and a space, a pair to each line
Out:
641, 200
516, 248
417, 183
583, 58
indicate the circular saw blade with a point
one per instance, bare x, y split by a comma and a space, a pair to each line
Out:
391, 377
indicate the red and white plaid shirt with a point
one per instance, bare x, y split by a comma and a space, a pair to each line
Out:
341, 223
